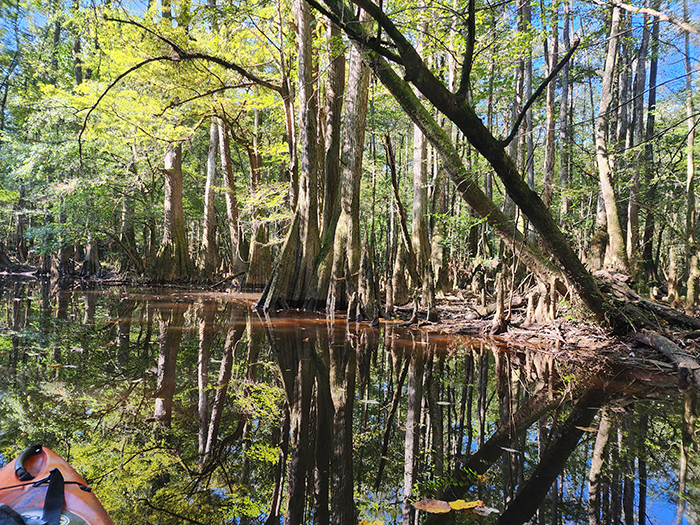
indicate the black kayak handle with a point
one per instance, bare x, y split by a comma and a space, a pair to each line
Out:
20, 471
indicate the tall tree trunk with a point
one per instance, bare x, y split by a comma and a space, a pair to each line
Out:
209, 251
635, 138
173, 258
550, 146
346, 250
617, 255
232, 215
564, 131
293, 280
334, 108
690, 218
649, 227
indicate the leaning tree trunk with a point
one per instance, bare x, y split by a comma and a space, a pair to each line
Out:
173, 259
478, 135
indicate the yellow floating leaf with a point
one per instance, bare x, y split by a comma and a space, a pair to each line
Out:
434, 506
375, 522
460, 504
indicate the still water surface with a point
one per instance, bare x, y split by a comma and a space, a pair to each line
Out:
182, 406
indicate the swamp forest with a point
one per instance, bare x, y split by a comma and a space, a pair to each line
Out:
354, 262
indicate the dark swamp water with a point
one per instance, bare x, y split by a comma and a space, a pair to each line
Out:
191, 407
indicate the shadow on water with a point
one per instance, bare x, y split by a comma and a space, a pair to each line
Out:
191, 407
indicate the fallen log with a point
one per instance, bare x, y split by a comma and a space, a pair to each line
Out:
617, 284
688, 367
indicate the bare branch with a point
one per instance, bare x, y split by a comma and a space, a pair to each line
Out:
464, 82
183, 54
537, 93
685, 26
104, 94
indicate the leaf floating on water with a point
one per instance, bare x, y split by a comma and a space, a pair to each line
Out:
434, 506
375, 522
460, 504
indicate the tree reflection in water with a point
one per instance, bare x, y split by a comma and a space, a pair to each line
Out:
186, 407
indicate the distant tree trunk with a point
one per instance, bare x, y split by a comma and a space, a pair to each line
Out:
690, 218
231, 198
550, 146
209, 251
127, 234
260, 265
173, 258
172, 320
564, 132
439, 256
650, 269
77, 58
91, 264
617, 252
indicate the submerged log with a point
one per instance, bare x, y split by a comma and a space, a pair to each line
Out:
688, 368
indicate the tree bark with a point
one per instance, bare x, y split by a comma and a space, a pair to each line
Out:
346, 246
617, 255
209, 251
173, 258
171, 321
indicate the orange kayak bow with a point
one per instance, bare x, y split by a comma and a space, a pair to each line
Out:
40, 487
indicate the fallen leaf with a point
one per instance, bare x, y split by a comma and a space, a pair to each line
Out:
434, 506
460, 504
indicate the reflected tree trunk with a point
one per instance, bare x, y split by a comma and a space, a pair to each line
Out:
596, 472
687, 433
478, 463
552, 463
343, 360
171, 322
233, 337
207, 313
412, 443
